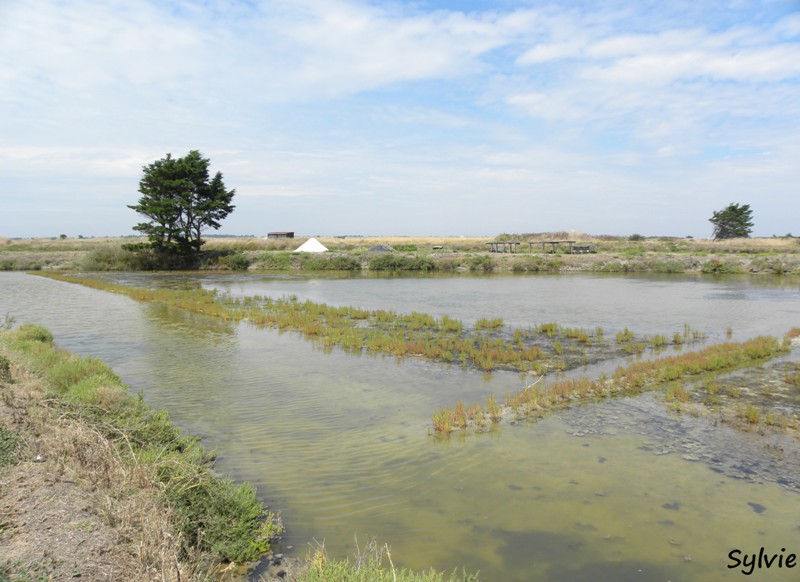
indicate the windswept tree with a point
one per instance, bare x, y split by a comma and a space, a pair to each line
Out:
733, 221
180, 202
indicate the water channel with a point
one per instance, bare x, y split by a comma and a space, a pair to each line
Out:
339, 444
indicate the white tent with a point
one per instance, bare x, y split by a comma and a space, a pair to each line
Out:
312, 245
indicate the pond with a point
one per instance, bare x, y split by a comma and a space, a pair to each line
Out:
340, 444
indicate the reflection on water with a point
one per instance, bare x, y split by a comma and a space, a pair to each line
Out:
338, 443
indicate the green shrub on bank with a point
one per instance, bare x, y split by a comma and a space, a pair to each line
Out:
213, 515
314, 262
34, 333
481, 263
669, 267
393, 262
277, 260
717, 267
237, 262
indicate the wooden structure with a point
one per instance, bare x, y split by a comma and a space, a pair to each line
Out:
554, 244
504, 246
280, 235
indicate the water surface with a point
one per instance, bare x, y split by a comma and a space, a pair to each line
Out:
340, 445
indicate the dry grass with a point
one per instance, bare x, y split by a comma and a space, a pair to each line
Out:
72, 506
143, 500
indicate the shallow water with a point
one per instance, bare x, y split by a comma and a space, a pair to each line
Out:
339, 443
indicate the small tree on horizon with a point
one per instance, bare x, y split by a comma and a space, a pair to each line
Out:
181, 202
733, 221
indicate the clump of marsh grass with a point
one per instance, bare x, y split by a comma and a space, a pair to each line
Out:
372, 563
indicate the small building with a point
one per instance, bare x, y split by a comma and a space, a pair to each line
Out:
280, 235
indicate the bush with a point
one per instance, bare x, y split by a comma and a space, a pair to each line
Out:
717, 267
481, 263
392, 262
33, 332
277, 260
669, 267
237, 262
329, 263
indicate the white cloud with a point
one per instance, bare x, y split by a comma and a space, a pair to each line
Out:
390, 108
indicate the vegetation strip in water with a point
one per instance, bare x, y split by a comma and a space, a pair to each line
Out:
626, 381
489, 346
370, 565
213, 520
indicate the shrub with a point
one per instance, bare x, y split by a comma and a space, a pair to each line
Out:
237, 262
669, 267
717, 267
392, 262
280, 260
480, 263
33, 332
329, 263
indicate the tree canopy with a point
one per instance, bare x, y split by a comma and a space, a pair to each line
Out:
180, 202
733, 221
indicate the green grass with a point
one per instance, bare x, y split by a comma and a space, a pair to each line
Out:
213, 515
372, 564
633, 379
8, 446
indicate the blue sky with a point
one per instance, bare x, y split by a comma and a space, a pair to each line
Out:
405, 118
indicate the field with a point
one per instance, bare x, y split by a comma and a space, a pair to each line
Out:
777, 255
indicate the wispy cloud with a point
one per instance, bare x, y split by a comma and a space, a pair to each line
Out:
390, 108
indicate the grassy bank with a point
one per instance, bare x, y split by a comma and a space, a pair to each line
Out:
134, 476
665, 373
777, 255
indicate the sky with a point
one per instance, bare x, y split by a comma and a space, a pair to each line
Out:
419, 118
